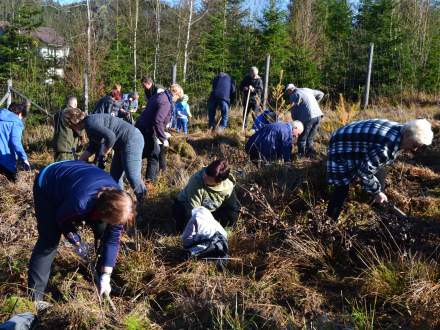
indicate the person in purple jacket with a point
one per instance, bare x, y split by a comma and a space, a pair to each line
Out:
152, 123
67, 193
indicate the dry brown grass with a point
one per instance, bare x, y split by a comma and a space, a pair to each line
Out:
289, 267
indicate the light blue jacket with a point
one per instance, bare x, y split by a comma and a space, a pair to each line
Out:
11, 130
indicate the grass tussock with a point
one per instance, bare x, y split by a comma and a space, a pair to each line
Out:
290, 268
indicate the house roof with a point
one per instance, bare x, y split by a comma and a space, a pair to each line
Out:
48, 36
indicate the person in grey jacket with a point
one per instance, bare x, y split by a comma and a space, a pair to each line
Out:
305, 108
106, 132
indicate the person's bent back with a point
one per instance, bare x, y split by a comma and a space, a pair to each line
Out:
11, 148
274, 141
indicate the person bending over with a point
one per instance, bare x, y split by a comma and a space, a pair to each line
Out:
67, 193
106, 132
274, 142
360, 150
11, 148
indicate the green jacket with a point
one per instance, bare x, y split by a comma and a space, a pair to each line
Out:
196, 193
64, 138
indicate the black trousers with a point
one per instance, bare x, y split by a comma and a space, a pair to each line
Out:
340, 193
152, 153
226, 214
11, 176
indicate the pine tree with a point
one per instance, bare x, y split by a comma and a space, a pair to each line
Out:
274, 39
17, 46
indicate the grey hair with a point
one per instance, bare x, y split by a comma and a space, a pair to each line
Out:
254, 68
299, 125
418, 130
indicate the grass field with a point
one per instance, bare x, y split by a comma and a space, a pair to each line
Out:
290, 269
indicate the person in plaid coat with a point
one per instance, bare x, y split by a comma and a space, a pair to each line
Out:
361, 149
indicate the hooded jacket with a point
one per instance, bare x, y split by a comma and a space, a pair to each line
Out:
11, 130
196, 193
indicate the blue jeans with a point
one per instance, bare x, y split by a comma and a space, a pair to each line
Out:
129, 161
182, 124
224, 109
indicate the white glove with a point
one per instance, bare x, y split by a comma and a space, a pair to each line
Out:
166, 144
251, 88
381, 198
104, 284
168, 135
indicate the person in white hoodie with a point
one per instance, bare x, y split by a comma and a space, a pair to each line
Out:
203, 236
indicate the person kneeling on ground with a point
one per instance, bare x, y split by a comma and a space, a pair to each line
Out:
361, 150
65, 194
204, 237
213, 188
11, 130
274, 141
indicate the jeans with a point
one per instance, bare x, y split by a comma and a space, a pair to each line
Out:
306, 139
340, 193
182, 124
224, 109
128, 161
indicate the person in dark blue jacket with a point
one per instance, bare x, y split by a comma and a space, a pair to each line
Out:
264, 119
223, 89
65, 194
274, 141
11, 130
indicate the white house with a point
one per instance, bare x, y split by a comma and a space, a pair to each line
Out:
52, 47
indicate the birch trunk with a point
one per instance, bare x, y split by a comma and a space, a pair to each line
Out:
136, 19
157, 46
87, 71
188, 34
